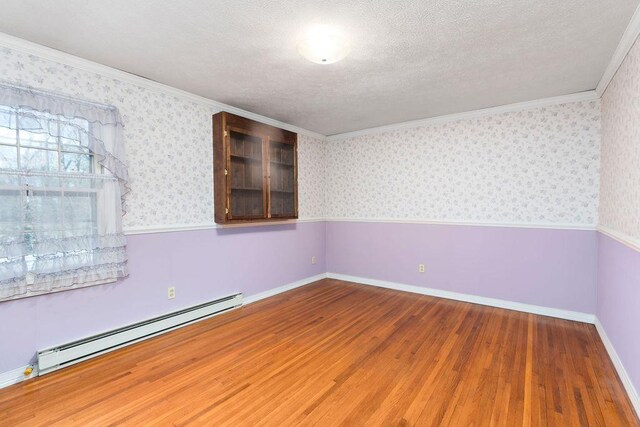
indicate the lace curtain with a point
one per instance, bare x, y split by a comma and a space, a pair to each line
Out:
63, 179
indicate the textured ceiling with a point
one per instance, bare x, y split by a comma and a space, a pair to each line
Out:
410, 59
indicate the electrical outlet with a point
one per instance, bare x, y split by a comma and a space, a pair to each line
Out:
313, 260
420, 268
171, 292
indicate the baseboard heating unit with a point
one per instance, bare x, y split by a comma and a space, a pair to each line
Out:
64, 355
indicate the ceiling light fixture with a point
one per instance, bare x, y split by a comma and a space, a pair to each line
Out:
323, 45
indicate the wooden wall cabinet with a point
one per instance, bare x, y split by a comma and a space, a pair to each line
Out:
255, 171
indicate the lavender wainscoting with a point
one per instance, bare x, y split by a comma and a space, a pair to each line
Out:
545, 267
202, 265
619, 302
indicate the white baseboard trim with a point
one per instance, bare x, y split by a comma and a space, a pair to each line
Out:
275, 291
617, 363
16, 376
475, 299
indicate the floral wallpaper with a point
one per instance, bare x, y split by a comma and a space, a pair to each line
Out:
538, 166
168, 142
311, 177
620, 170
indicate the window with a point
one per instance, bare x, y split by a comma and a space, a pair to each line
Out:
31, 147
62, 178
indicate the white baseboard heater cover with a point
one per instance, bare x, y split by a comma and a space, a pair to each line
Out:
65, 355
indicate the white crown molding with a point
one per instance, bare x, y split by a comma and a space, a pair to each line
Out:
527, 105
627, 41
475, 299
51, 54
621, 237
634, 397
275, 291
58, 56
551, 226
16, 376
211, 226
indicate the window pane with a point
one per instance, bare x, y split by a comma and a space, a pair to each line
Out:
7, 136
8, 157
7, 126
38, 140
73, 147
38, 160
75, 162
73, 136
44, 209
80, 212
10, 211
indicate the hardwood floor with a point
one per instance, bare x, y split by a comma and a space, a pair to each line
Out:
337, 353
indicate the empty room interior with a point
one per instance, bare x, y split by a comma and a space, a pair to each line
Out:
276, 213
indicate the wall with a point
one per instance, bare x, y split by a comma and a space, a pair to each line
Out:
531, 175
202, 265
168, 141
542, 267
531, 167
500, 206
619, 249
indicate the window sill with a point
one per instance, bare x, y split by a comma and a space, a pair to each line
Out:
30, 294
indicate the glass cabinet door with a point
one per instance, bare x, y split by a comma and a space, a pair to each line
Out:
246, 175
282, 172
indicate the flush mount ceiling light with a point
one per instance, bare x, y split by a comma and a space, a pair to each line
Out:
323, 45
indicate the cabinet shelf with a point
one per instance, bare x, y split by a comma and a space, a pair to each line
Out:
255, 171
244, 158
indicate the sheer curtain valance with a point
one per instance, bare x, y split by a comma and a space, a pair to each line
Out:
98, 126
63, 178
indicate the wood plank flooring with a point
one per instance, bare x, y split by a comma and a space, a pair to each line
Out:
337, 353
